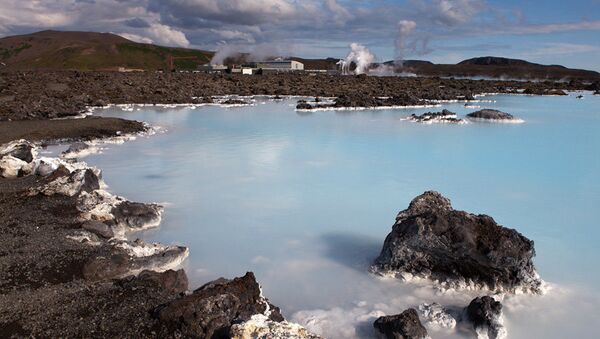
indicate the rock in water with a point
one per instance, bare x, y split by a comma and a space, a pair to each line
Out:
490, 114
432, 240
404, 325
211, 310
137, 216
486, 315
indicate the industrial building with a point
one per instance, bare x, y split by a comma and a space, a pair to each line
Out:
255, 67
280, 65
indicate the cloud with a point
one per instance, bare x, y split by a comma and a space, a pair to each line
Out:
553, 28
136, 38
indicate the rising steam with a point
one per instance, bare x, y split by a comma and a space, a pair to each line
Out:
360, 56
405, 28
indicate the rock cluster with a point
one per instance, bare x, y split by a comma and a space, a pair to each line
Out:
458, 249
445, 116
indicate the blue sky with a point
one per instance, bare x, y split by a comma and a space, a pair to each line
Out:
445, 31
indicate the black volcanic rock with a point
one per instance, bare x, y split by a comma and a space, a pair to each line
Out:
302, 104
211, 310
543, 91
443, 116
404, 325
485, 313
490, 114
136, 215
430, 239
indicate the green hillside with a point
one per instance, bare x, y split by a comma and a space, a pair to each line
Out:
91, 51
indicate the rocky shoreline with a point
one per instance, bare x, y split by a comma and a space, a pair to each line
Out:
46, 95
65, 248
64, 244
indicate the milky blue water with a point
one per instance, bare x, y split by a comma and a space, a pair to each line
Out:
305, 201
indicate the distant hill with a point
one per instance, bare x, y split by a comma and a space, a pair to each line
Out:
498, 67
54, 50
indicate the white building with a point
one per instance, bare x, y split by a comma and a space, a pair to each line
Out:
280, 66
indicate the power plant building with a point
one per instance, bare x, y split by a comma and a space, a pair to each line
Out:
280, 66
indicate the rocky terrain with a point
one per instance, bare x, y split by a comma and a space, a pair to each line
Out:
42, 95
457, 249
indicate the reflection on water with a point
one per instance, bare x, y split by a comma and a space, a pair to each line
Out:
306, 200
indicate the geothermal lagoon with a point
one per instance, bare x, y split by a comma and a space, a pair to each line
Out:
306, 199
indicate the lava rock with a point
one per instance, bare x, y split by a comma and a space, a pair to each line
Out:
170, 280
490, 114
430, 239
137, 215
302, 104
405, 325
211, 310
99, 228
429, 117
130, 258
485, 313
21, 149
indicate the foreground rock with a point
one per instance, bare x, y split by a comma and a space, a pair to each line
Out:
458, 249
485, 313
405, 325
260, 326
445, 116
491, 114
210, 311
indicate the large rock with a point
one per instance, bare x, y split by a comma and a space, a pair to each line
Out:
70, 184
169, 280
490, 114
458, 249
211, 310
405, 325
485, 313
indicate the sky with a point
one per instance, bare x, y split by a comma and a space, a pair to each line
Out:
443, 31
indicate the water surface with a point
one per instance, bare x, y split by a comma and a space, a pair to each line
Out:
305, 201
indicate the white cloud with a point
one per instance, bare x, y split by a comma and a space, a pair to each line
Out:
165, 35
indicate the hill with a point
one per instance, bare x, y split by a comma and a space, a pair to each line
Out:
498, 67
55, 50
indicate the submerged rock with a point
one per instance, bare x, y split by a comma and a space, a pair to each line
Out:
260, 326
485, 313
404, 325
445, 116
211, 310
490, 114
458, 249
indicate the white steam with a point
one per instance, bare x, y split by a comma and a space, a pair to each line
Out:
405, 29
360, 56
